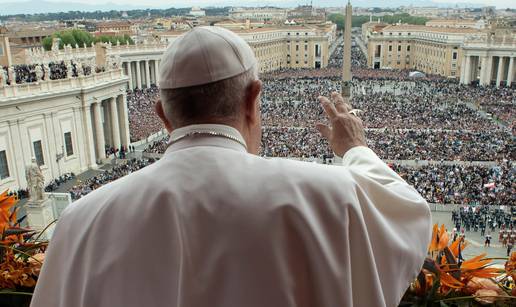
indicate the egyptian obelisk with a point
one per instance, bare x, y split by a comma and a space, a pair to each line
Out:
346, 60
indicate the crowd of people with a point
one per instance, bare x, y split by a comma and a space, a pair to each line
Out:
487, 220
395, 144
429, 118
143, 121
57, 182
56, 70
483, 219
463, 183
118, 171
158, 146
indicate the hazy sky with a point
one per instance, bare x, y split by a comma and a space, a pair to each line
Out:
184, 3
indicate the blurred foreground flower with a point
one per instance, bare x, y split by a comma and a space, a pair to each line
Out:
446, 277
21, 253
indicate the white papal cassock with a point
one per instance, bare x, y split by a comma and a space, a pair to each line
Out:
211, 225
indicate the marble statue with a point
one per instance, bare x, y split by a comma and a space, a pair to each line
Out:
35, 181
80, 69
69, 69
3, 77
12, 75
39, 73
118, 62
46, 70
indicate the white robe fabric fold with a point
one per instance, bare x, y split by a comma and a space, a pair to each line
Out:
211, 225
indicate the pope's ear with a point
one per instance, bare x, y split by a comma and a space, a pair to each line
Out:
158, 107
252, 103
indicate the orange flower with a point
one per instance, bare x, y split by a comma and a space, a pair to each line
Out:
448, 281
6, 203
454, 247
510, 265
440, 239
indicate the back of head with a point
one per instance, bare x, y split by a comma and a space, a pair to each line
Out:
204, 75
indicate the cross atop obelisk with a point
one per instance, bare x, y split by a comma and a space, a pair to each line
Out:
346, 65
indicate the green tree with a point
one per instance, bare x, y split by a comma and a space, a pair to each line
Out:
47, 43
359, 20
337, 19
81, 37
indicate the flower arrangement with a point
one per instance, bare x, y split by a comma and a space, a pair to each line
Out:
447, 279
21, 255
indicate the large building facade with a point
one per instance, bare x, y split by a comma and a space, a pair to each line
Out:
65, 124
284, 47
466, 53
432, 50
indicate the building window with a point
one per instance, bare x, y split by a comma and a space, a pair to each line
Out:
399, 48
408, 48
454, 56
4, 168
68, 143
297, 47
390, 48
306, 47
38, 152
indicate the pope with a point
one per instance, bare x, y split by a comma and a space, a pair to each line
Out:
213, 224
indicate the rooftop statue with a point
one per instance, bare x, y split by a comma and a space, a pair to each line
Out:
39, 72
35, 181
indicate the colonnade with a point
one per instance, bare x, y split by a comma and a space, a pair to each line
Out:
142, 73
487, 69
109, 125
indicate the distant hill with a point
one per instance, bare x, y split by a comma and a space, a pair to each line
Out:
38, 6
42, 6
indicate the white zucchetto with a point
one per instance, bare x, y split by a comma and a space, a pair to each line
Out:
204, 55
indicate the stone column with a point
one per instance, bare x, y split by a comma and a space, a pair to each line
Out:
467, 71
130, 75
485, 73
156, 71
462, 70
510, 74
115, 128
499, 74
124, 120
147, 74
138, 75
88, 136
489, 70
99, 129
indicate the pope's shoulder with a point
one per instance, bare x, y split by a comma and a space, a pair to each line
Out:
236, 173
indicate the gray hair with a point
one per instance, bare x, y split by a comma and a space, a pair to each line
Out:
218, 100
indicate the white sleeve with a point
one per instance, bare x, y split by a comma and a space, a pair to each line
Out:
363, 160
396, 219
